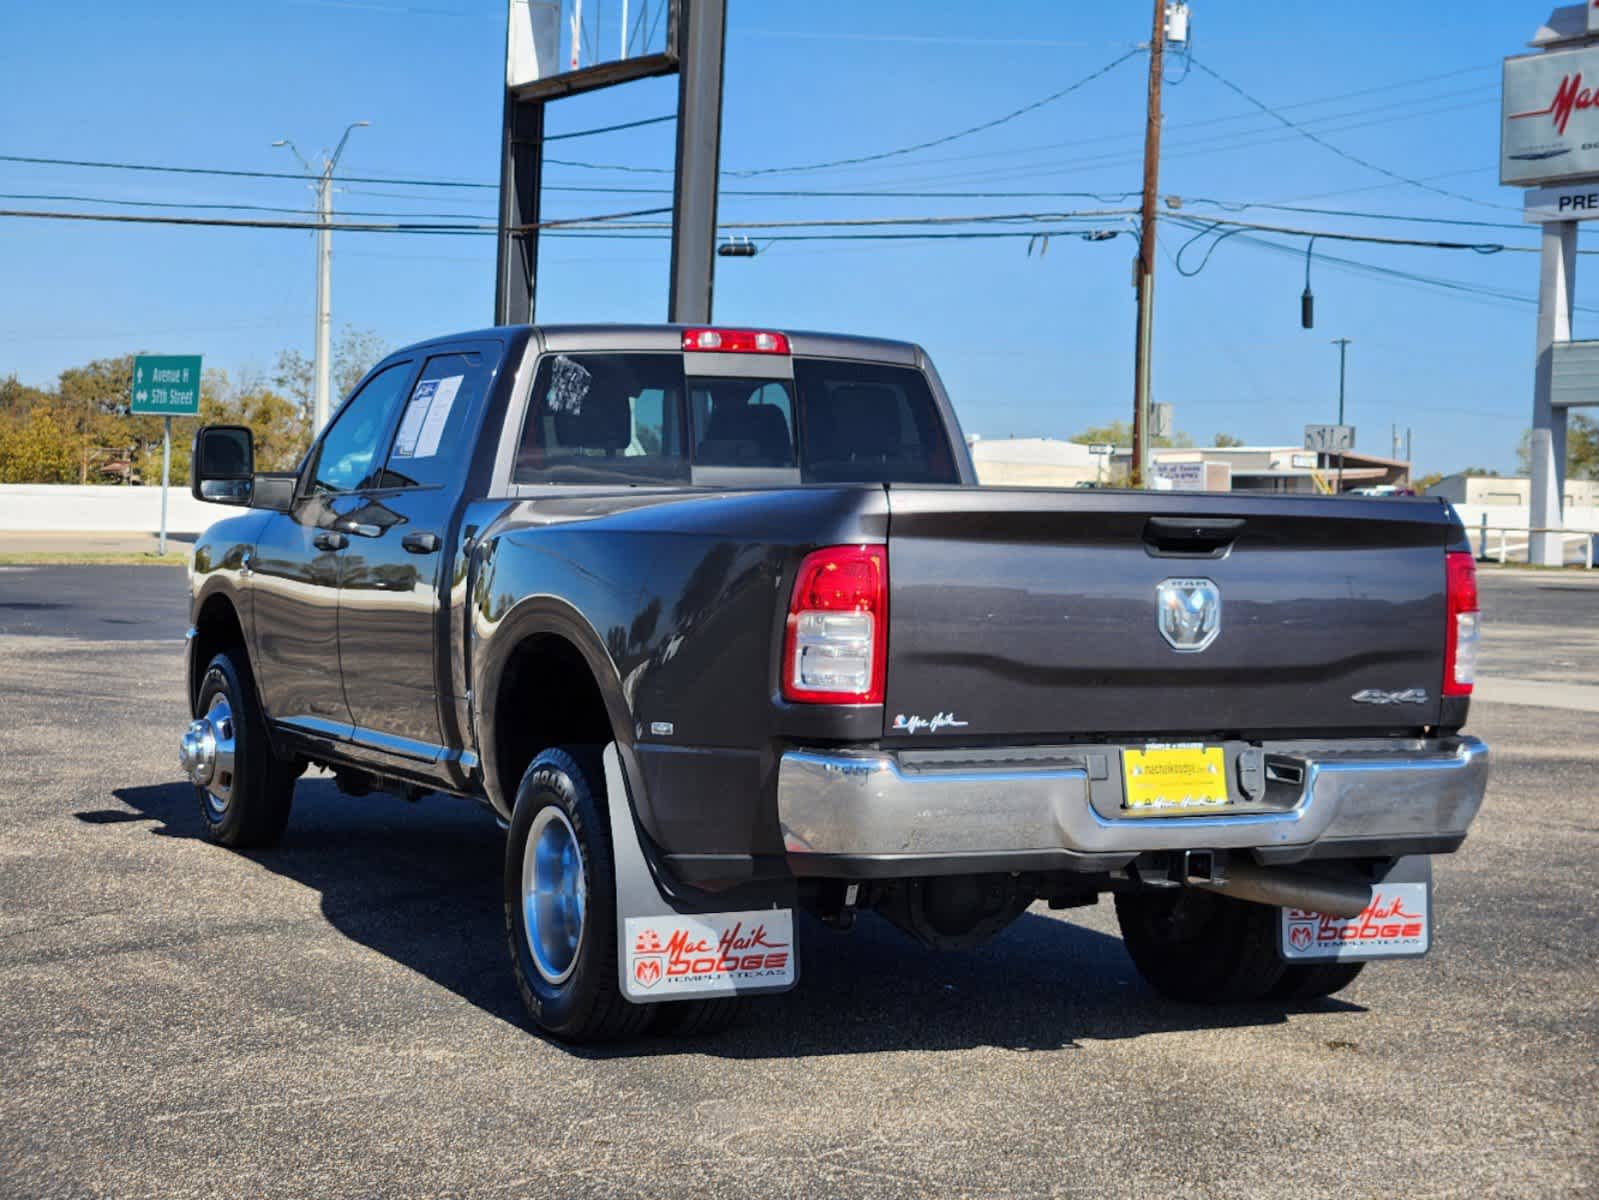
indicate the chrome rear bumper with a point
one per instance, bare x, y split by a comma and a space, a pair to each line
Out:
883, 806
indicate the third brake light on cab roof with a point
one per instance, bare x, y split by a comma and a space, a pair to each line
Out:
734, 341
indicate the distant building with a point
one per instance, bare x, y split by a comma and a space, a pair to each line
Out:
1290, 469
1047, 462
1034, 462
1497, 490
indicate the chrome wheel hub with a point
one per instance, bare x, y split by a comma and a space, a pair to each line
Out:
206, 754
554, 894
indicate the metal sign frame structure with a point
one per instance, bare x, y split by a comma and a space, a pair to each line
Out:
1558, 212
695, 36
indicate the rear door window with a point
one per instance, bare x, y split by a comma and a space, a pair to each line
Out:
605, 418
869, 423
433, 442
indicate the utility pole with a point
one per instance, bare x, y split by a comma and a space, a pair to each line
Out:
321, 406
1343, 354
1144, 279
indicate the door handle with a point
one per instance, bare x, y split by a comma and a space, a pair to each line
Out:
327, 540
420, 543
1191, 537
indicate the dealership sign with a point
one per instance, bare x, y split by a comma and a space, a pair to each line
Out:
1564, 202
1550, 125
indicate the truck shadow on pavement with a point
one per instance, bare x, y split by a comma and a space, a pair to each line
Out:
421, 884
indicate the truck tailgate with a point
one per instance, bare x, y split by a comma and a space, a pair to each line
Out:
1033, 613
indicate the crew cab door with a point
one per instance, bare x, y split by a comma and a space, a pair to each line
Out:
299, 558
392, 646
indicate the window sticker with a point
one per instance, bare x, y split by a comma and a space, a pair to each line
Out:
438, 415
569, 384
423, 424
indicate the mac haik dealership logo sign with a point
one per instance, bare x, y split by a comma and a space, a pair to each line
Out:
1550, 129
708, 954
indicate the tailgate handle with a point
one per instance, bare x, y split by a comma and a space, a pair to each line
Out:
1192, 537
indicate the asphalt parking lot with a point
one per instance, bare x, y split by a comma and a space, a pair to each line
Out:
335, 1017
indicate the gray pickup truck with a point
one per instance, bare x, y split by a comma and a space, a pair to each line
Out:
719, 625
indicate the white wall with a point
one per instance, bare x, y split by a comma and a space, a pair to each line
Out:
67, 508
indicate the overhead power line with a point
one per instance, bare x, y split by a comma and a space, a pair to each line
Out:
561, 137
1210, 224
951, 137
856, 160
298, 176
335, 226
231, 207
1338, 150
894, 153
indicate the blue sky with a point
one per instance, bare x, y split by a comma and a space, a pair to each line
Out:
1027, 345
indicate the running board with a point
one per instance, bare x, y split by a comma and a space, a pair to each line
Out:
671, 948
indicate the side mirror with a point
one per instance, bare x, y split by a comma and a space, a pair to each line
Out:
222, 469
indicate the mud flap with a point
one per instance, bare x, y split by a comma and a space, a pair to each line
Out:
686, 948
1396, 924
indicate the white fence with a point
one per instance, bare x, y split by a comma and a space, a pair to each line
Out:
1502, 532
67, 508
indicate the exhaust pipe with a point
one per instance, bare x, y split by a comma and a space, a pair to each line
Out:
1288, 889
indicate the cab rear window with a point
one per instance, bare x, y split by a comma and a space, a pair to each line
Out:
869, 423
635, 419
604, 418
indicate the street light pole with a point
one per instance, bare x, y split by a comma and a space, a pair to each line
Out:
321, 404
1343, 353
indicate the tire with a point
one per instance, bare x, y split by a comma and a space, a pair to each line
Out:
566, 970
697, 1018
1304, 982
249, 805
1201, 948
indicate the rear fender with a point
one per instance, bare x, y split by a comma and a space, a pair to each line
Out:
553, 617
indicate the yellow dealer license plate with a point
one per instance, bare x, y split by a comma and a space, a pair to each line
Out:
1176, 780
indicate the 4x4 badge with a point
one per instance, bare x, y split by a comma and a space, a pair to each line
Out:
1188, 613
1379, 696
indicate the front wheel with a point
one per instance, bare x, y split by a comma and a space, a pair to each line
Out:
560, 901
244, 789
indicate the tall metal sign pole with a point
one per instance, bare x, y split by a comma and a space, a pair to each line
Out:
537, 73
1548, 143
1557, 277
1144, 279
699, 161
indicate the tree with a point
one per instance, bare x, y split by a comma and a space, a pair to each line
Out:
1582, 448
354, 353
1426, 481
1225, 441
1120, 433
91, 404
36, 450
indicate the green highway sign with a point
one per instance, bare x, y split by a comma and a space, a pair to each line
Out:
166, 385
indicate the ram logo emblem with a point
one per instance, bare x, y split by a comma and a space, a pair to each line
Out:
1188, 613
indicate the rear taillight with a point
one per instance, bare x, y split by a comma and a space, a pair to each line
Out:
836, 649
1460, 638
734, 341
